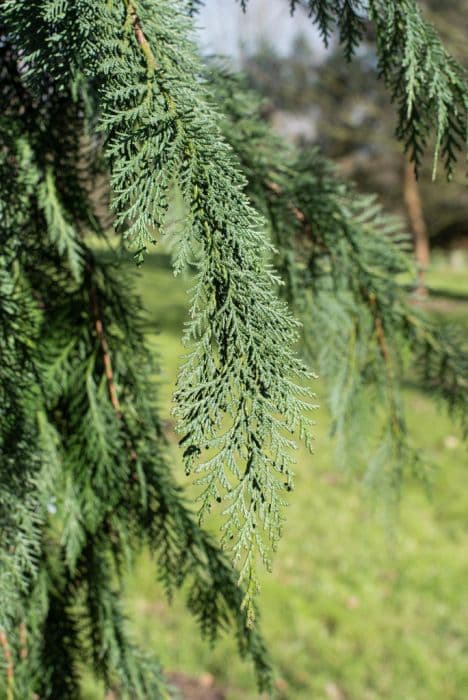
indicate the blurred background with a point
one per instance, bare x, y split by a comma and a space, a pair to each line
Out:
356, 608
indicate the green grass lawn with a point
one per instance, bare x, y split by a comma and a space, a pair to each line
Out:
352, 611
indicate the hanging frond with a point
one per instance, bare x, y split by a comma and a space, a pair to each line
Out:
113, 96
341, 258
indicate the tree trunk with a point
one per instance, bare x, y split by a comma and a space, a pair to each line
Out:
417, 223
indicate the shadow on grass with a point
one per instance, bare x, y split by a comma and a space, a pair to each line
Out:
447, 294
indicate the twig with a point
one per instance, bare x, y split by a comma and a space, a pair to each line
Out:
140, 36
106, 358
107, 362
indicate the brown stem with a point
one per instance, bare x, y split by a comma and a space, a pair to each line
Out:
106, 358
107, 363
140, 36
10, 674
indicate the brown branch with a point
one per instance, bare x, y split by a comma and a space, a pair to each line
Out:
10, 673
106, 358
107, 362
109, 374
140, 36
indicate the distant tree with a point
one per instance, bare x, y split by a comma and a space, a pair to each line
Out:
356, 125
114, 91
289, 82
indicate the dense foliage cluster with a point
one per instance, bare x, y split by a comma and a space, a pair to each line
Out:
345, 263
111, 96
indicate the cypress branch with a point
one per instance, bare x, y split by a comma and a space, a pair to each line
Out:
116, 91
234, 296
339, 256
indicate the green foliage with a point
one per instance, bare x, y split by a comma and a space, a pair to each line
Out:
100, 485
115, 92
340, 582
341, 259
19, 317
428, 85
239, 390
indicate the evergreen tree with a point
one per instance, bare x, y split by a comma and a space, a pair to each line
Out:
114, 91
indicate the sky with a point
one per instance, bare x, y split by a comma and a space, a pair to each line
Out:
224, 29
